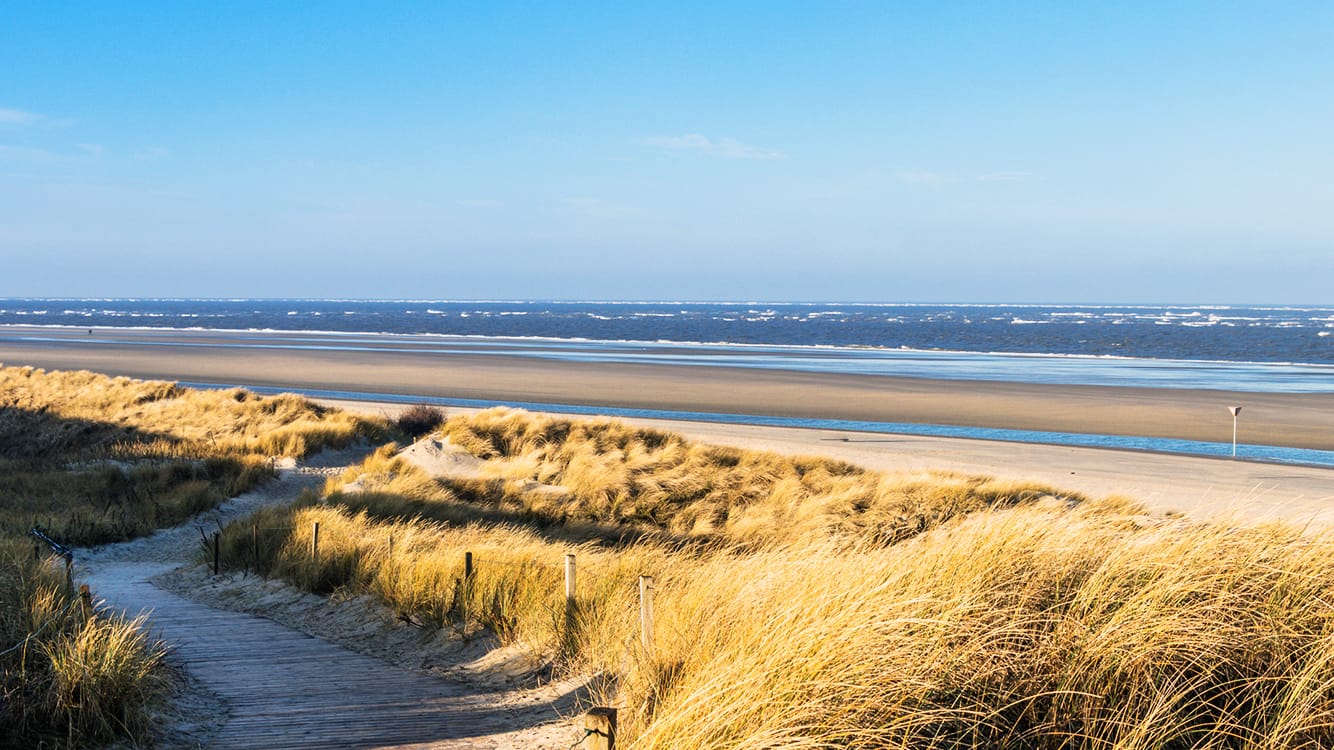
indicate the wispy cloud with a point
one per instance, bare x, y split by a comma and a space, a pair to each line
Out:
156, 153
1010, 176
481, 203
18, 117
20, 153
591, 207
95, 149
938, 180
925, 177
725, 148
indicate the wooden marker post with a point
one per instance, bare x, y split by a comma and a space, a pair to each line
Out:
86, 598
315, 542
217, 555
467, 568
569, 583
569, 642
646, 612
600, 728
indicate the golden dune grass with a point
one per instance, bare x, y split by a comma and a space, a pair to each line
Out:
94, 459
1034, 626
1030, 620
156, 417
623, 478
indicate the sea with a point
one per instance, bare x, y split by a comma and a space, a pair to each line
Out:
1263, 349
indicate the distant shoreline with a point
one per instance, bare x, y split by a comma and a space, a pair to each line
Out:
1297, 420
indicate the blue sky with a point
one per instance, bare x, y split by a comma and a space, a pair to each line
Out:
1039, 152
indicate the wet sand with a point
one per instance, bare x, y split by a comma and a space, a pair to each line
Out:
1291, 420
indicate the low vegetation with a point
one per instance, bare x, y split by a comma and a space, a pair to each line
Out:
580, 476
823, 606
92, 459
420, 419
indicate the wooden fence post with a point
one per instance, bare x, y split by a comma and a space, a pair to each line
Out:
646, 612
86, 597
217, 544
569, 583
569, 642
600, 728
467, 568
315, 542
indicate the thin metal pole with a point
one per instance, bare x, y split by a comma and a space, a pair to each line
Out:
1234, 435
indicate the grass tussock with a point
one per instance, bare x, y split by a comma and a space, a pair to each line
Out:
68, 679
93, 459
419, 419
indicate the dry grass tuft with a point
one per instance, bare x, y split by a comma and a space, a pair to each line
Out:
420, 419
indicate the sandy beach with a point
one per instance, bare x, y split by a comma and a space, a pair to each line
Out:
1200, 486
263, 359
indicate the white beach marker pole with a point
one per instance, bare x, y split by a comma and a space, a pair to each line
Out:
1235, 411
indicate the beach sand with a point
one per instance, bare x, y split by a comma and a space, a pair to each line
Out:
1291, 420
1199, 486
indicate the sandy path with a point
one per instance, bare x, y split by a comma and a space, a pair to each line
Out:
282, 688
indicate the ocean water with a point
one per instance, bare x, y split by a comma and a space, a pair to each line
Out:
1265, 349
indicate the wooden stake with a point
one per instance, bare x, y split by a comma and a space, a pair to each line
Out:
569, 641
646, 612
86, 597
315, 542
600, 726
569, 582
217, 543
467, 568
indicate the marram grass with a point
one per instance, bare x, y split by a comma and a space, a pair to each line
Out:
1032, 627
93, 459
850, 616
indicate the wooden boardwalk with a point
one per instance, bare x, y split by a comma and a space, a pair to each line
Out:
285, 689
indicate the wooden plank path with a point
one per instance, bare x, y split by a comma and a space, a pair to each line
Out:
285, 689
